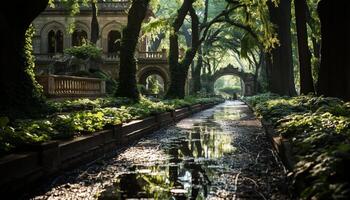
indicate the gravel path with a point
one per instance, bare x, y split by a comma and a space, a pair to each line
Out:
220, 153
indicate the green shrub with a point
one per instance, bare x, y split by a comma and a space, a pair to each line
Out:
85, 51
82, 116
319, 130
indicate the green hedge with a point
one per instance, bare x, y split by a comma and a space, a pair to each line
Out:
319, 131
85, 116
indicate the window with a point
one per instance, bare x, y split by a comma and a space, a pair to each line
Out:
79, 37
55, 41
114, 41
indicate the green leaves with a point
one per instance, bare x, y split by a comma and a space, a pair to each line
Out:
319, 130
85, 117
85, 51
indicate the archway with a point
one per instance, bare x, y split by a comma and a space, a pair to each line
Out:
248, 84
79, 37
148, 75
113, 39
154, 85
229, 86
105, 33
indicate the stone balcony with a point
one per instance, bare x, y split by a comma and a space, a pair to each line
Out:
117, 5
142, 56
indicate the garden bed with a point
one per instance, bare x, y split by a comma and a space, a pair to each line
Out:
46, 158
312, 137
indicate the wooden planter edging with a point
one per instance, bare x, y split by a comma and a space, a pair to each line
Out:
18, 171
281, 145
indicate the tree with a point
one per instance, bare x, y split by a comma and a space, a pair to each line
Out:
196, 75
178, 69
127, 73
94, 23
335, 53
20, 93
306, 81
281, 75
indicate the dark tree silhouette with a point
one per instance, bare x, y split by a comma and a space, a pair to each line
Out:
95, 29
281, 75
334, 72
20, 96
127, 73
306, 81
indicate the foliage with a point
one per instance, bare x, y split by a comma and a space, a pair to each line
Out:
154, 87
319, 130
6, 135
85, 51
28, 50
111, 83
86, 104
82, 116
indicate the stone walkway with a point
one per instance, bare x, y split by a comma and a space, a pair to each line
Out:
220, 153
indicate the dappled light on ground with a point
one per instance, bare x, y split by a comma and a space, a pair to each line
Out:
212, 155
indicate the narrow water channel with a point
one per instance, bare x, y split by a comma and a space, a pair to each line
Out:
220, 153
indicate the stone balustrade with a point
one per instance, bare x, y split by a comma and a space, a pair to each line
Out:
111, 57
56, 86
102, 6
156, 55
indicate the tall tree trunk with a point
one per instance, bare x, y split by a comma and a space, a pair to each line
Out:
312, 23
257, 73
95, 29
197, 86
334, 72
20, 96
127, 73
178, 70
281, 73
306, 81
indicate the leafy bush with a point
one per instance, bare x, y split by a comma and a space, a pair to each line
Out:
23, 132
6, 135
86, 104
70, 118
85, 51
319, 130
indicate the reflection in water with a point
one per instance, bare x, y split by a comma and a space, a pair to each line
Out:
190, 169
229, 113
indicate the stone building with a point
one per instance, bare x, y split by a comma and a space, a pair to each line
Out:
52, 37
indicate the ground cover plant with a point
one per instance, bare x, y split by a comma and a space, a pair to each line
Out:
72, 118
319, 131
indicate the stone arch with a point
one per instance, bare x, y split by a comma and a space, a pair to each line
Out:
150, 70
247, 78
111, 26
79, 25
113, 41
44, 32
81, 29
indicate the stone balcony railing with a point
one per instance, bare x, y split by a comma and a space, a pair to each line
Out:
159, 55
47, 56
57, 86
116, 5
112, 57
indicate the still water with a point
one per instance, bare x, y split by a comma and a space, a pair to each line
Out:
193, 160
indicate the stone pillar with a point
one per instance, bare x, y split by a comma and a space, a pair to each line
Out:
103, 87
164, 54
